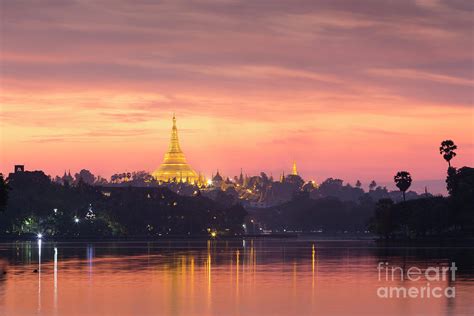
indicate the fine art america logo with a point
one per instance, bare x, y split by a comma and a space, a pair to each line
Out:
424, 277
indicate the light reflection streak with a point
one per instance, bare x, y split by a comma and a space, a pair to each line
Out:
231, 266
183, 267
192, 281
313, 257
90, 257
182, 276
55, 269
250, 261
28, 247
254, 266
209, 271
39, 274
294, 278
237, 259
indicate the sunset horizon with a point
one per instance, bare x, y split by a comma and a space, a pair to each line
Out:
435, 186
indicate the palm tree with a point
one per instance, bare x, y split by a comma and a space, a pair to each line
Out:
402, 181
447, 149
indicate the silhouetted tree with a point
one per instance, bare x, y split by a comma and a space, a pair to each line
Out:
86, 176
224, 199
447, 149
384, 222
141, 178
372, 185
451, 181
3, 193
403, 181
100, 181
460, 185
114, 178
330, 187
358, 184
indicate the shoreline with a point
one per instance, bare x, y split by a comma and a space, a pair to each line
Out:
294, 237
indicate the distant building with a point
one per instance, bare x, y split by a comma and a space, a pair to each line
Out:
67, 178
294, 177
241, 178
263, 192
217, 180
19, 168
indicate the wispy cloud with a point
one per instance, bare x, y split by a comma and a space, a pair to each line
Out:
90, 136
379, 131
421, 75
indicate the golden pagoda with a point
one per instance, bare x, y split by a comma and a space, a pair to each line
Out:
294, 171
174, 167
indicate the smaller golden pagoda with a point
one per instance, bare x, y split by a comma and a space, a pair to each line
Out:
174, 167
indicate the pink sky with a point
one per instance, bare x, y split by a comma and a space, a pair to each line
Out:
354, 91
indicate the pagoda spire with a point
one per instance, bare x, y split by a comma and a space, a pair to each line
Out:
294, 171
174, 143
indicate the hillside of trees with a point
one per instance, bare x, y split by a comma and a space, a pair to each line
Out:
36, 205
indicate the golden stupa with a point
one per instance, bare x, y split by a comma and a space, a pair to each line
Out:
174, 167
294, 170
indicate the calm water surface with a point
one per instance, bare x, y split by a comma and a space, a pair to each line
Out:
238, 277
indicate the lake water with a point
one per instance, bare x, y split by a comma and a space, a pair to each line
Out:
238, 277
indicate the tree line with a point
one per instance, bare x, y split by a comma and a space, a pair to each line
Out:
430, 217
37, 206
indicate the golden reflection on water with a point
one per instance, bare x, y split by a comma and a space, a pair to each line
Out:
313, 260
209, 278
209, 271
237, 268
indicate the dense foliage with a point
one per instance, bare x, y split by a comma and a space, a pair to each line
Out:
430, 217
3, 193
37, 205
325, 214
